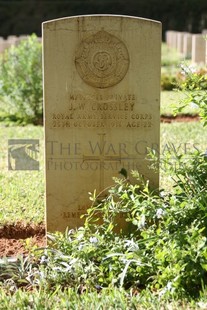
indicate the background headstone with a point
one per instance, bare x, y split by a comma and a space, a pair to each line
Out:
169, 38
2, 45
12, 40
187, 45
174, 39
101, 102
198, 48
180, 42
22, 38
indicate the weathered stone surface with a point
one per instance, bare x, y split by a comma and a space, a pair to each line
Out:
101, 100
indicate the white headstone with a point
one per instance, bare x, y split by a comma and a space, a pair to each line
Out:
174, 39
180, 42
198, 48
101, 107
12, 40
168, 37
2, 45
187, 45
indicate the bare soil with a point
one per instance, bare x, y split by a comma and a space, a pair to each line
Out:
180, 118
14, 238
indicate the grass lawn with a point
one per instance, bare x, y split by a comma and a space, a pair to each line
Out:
22, 192
171, 99
179, 138
109, 299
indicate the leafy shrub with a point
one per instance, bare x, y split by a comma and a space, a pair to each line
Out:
164, 251
194, 85
21, 81
160, 243
193, 78
168, 81
187, 78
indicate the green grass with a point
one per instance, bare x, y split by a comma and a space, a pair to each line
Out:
180, 138
186, 137
108, 299
171, 99
21, 192
170, 57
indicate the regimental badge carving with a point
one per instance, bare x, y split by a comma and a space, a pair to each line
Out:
102, 60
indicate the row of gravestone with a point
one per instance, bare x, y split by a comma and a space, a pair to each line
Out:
191, 46
10, 41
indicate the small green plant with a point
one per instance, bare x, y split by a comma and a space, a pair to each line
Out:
194, 85
193, 78
21, 81
134, 239
19, 273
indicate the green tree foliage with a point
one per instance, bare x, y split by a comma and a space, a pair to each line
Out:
21, 81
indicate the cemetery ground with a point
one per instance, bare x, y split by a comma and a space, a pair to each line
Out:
160, 264
22, 231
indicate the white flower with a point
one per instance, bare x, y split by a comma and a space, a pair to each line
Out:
193, 105
44, 260
80, 247
93, 240
167, 288
187, 69
131, 245
159, 213
202, 305
79, 237
162, 194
